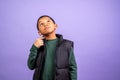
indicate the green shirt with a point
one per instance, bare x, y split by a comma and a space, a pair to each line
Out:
49, 61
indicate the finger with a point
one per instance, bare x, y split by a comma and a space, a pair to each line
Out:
42, 37
41, 43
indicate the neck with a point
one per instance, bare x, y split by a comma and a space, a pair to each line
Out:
50, 36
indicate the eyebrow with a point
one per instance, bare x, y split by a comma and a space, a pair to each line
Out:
47, 19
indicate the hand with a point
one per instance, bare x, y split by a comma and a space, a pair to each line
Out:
39, 42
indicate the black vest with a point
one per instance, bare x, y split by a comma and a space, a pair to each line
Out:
61, 60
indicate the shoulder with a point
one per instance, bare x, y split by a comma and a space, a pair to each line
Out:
68, 42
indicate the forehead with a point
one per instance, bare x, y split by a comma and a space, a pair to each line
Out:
44, 18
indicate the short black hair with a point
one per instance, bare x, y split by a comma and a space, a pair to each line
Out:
42, 17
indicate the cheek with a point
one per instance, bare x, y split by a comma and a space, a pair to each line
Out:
40, 30
53, 26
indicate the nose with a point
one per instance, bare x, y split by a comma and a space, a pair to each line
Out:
45, 24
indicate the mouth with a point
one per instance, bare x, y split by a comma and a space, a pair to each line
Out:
47, 27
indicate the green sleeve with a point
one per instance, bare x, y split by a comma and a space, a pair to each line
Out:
72, 66
32, 57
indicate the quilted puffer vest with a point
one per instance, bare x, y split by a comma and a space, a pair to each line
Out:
61, 60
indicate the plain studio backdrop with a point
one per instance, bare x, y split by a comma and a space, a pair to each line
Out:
93, 25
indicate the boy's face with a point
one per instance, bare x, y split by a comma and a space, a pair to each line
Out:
46, 26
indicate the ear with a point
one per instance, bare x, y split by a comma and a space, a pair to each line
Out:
56, 26
39, 33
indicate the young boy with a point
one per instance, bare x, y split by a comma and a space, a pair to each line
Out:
51, 56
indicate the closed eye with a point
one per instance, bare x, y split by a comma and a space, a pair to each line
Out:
41, 24
48, 21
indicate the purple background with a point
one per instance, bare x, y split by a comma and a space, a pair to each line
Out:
93, 25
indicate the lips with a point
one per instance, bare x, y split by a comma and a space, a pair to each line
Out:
46, 28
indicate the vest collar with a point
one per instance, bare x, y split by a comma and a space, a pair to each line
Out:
60, 37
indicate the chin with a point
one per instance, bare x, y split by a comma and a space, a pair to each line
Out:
48, 32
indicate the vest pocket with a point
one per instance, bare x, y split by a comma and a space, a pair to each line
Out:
62, 74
